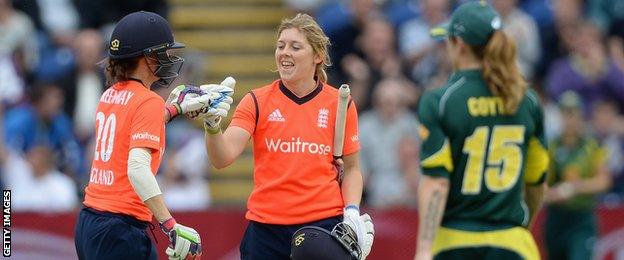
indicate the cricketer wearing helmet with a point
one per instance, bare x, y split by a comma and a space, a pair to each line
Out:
122, 194
483, 153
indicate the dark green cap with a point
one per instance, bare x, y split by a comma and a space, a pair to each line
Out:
474, 22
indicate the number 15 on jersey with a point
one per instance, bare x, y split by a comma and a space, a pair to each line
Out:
503, 164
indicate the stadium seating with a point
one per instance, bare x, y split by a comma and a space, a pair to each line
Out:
238, 38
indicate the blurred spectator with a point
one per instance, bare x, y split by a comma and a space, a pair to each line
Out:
60, 22
400, 11
587, 70
389, 146
522, 28
84, 85
42, 122
610, 15
343, 22
426, 58
18, 51
578, 171
608, 127
556, 37
184, 173
616, 49
379, 60
97, 14
605, 13
552, 115
304, 6
36, 183
60, 19
540, 10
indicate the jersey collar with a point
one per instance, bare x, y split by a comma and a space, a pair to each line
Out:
470, 72
300, 100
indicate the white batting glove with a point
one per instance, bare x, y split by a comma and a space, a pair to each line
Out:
184, 242
362, 226
174, 94
220, 103
186, 99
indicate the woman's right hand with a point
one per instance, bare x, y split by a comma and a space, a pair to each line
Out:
220, 103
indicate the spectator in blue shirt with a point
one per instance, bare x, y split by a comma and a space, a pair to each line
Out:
42, 121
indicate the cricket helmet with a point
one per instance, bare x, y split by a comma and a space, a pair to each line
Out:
148, 34
316, 243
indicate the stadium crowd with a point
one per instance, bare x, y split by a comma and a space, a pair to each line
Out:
50, 84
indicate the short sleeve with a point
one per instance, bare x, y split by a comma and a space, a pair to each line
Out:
246, 112
245, 115
352, 140
147, 125
537, 153
435, 156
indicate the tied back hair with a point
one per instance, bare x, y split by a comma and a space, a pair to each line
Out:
501, 71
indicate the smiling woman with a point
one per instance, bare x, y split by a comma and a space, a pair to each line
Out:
302, 50
291, 122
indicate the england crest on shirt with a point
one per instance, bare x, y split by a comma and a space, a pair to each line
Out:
323, 117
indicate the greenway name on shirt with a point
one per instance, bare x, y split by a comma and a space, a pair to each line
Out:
116, 97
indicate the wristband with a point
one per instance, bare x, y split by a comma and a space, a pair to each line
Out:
352, 206
210, 130
174, 111
168, 224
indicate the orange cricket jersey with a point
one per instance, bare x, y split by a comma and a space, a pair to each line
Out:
295, 181
128, 115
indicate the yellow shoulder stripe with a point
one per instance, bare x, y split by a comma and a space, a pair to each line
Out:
536, 162
441, 158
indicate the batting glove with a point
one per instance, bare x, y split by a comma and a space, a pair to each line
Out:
186, 99
184, 242
220, 103
362, 226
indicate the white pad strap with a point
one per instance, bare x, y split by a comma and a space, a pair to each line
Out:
140, 174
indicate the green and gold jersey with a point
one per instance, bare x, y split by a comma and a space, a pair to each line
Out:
575, 163
487, 154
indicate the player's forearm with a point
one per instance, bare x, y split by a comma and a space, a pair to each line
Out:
597, 184
534, 197
352, 183
352, 187
224, 148
157, 206
218, 151
432, 195
144, 183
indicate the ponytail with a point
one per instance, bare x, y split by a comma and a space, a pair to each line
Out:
320, 73
501, 71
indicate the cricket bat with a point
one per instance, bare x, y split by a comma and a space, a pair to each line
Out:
341, 120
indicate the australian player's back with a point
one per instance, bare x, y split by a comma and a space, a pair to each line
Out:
488, 147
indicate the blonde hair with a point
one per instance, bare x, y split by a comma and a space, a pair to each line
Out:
315, 36
501, 71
